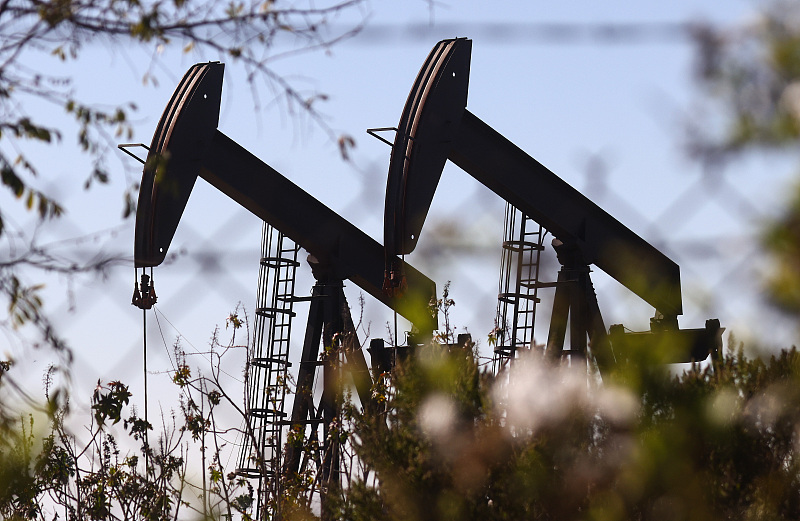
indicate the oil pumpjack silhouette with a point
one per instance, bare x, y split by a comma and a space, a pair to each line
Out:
187, 145
435, 126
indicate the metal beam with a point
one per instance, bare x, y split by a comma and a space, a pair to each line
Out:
569, 215
187, 143
335, 242
436, 126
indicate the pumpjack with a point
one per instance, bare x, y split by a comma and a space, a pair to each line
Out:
435, 126
187, 145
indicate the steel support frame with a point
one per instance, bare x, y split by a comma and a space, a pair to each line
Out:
330, 325
575, 305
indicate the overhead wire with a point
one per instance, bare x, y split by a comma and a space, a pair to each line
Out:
196, 351
173, 363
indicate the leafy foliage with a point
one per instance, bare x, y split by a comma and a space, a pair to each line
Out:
753, 73
752, 76
449, 441
35, 32
244, 31
109, 404
122, 471
54, 473
545, 442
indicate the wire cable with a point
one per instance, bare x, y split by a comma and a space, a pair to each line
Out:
196, 351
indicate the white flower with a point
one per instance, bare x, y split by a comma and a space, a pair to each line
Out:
539, 393
437, 416
790, 99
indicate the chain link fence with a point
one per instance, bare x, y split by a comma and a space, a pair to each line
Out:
708, 222
212, 272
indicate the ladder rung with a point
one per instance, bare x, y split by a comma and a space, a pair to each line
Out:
522, 245
252, 472
296, 299
538, 284
509, 297
271, 312
265, 413
265, 361
277, 262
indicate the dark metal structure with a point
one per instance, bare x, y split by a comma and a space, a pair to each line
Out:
518, 292
187, 144
436, 126
267, 372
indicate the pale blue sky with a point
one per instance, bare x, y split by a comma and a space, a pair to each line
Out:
561, 102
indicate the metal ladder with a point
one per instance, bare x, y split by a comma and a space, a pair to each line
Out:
260, 454
517, 297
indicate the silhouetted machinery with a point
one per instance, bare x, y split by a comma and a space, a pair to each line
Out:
436, 126
187, 144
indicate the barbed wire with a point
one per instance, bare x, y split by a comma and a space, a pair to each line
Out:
546, 33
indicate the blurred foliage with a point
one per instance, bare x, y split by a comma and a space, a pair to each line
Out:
444, 440
752, 73
782, 238
545, 442
449, 441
